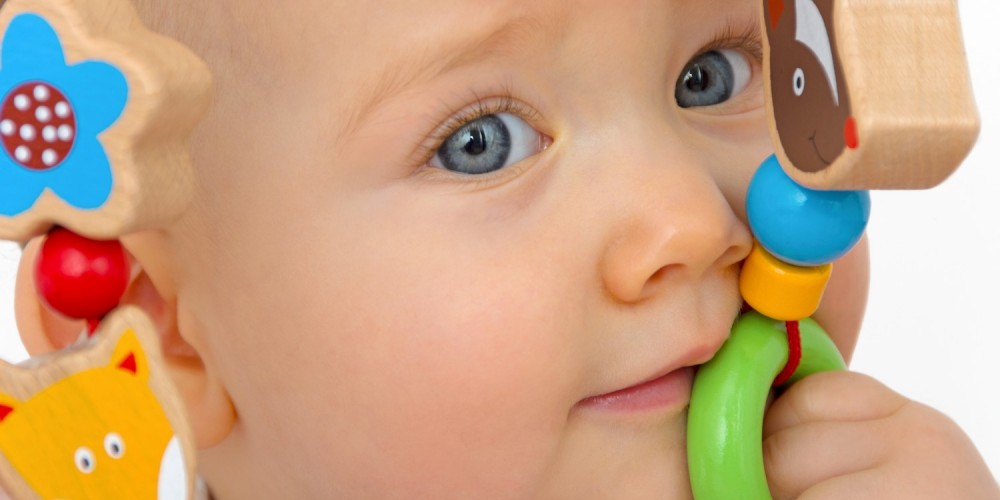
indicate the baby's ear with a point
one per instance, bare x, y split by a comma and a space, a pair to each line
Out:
151, 290
184, 354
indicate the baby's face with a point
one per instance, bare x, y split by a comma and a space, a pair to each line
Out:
432, 239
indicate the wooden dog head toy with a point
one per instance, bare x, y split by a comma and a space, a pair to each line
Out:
867, 95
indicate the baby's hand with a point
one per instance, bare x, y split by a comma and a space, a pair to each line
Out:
845, 435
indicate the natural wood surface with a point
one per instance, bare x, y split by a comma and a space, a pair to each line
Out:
904, 68
75, 397
169, 90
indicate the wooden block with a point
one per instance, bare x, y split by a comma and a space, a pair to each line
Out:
867, 94
95, 113
100, 420
780, 290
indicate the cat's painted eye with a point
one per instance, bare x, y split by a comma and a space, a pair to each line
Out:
114, 445
84, 459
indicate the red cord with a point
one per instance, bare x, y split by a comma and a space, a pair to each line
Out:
794, 353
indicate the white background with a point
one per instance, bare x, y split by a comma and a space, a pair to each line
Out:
932, 326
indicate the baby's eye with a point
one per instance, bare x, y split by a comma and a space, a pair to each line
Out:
712, 78
487, 144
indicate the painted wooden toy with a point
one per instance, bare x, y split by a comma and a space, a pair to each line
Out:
861, 94
867, 94
101, 420
95, 112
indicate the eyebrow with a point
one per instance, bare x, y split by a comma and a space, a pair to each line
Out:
397, 76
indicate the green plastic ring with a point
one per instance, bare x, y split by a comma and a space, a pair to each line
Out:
726, 416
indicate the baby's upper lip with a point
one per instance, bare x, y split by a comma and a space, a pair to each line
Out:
697, 355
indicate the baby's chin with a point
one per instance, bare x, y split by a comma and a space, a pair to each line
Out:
635, 460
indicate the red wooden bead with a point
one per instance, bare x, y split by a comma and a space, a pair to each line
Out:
79, 277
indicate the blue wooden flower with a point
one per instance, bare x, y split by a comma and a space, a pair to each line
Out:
51, 116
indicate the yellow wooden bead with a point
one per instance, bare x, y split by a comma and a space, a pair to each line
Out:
780, 290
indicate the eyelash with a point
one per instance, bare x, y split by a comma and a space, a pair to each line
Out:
504, 102
746, 38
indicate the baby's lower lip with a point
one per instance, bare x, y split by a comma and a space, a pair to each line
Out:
671, 389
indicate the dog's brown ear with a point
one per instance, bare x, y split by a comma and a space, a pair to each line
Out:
773, 13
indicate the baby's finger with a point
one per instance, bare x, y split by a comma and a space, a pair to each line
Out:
868, 484
803, 456
898, 480
832, 396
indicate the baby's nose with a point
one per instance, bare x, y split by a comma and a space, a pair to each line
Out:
676, 225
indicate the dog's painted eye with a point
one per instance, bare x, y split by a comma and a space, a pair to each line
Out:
114, 445
84, 459
799, 81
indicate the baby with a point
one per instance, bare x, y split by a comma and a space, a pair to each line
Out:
475, 249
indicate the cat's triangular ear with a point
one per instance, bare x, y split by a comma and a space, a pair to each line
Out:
773, 9
7, 406
130, 357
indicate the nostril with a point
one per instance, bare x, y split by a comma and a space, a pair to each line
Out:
735, 254
740, 245
661, 274
656, 280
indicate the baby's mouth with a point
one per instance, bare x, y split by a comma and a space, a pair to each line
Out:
670, 389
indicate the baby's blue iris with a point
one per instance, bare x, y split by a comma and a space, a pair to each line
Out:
707, 80
479, 147
51, 116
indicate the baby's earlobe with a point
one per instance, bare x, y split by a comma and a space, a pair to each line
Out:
44, 330
209, 407
151, 289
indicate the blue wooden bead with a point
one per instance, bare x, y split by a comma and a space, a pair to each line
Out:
803, 226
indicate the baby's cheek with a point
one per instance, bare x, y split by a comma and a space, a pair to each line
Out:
843, 305
734, 164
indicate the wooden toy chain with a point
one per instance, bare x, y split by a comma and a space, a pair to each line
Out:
95, 112
852, 104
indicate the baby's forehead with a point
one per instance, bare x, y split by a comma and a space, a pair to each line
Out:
390, 46
228, 34
362, 52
